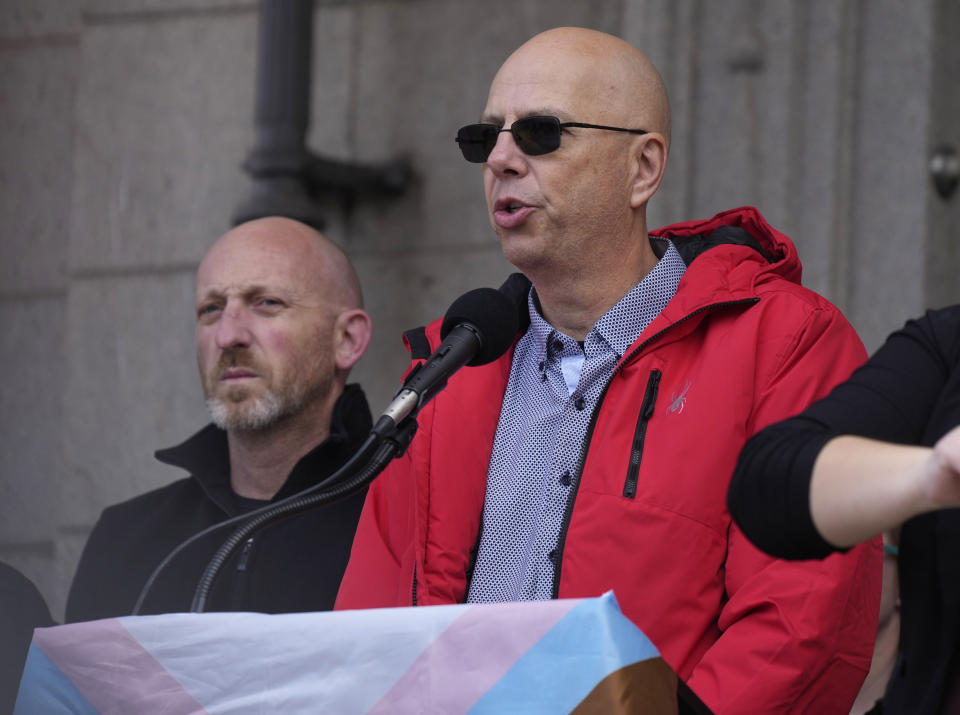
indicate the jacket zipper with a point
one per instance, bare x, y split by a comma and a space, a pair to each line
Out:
414, 587
472, 562
239, 592
245, 555
568, 512
636, 451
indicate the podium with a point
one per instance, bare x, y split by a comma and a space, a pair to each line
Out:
577, 655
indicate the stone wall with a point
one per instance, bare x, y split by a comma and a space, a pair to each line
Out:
125, 123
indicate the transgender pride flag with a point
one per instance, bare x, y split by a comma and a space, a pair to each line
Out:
547, 656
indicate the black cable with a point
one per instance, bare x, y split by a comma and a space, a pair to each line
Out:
384, 453
347, 468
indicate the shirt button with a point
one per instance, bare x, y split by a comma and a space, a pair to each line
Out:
540, 366
579, 404
565, 479
552, 555
558, 345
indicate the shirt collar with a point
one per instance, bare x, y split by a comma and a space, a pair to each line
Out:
620, 326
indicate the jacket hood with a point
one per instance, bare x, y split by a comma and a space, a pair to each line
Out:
743, 226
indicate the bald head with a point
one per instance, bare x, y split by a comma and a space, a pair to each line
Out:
606, 78
313, 263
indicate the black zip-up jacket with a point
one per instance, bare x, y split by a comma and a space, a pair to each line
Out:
291, 566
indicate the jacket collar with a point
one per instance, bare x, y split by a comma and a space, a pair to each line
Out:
206, 456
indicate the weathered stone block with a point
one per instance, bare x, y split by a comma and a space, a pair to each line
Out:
165, 111
890, 168
37, 93
37, 18
131, 388
31, 361
166, 7
332, 81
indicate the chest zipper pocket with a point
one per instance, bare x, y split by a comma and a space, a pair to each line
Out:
640, 434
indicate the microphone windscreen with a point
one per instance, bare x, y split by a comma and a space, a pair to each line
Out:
494, 316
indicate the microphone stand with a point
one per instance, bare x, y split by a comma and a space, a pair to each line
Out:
386, 441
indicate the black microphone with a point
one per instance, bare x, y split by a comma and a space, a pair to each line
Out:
478, 328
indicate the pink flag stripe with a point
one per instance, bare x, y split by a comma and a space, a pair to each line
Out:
112, 670
472, 654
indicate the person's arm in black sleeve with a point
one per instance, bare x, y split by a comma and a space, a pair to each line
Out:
889, 399
22, 609
767, 497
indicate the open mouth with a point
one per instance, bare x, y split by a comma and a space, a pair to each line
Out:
510, 213
510, 206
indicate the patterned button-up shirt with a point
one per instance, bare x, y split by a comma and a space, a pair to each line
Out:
553, 388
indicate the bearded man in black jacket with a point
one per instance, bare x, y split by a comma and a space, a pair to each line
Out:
279, 324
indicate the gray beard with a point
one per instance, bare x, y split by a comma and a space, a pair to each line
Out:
264, 412
267, 410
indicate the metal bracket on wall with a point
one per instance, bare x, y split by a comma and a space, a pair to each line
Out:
287, 177
945, 170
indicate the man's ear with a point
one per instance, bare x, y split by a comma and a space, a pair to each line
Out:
651, 162
351, 336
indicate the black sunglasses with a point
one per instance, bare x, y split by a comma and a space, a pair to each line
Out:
534, 136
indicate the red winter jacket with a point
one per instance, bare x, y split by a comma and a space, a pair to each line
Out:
740, 346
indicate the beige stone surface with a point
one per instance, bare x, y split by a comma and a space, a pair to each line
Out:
889, 225
20, 19
164, 119
37, 95
31, 361
118, 9
131, 388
